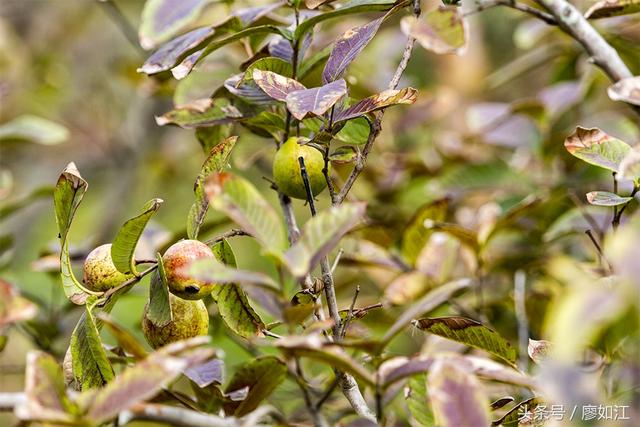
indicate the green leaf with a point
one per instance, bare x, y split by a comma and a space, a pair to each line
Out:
471, 333
417, 401
456, 396
144, 380
125, 339
202, 112
261, 376
417, 234
606, 198
163, 19
270, 63
242, 202
232, 302
216, 162
321, 234
124, 245
343, 155
442, 30
597, 148
160, 313
67, 196
265, 124
354, 132
607, 8
91, 367
210, 136
33, 129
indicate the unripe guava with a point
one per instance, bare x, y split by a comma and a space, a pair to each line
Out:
190, 319
179, 255
99, 274
286, 169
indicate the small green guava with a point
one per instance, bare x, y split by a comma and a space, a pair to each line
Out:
190, 319
179, 255
286, 169
99, 274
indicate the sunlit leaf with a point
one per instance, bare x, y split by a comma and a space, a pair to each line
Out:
216, 162
607, 8
419, 230
417, 401
626, 90
163, 19
33, 129
170, 53
376, 102
275, 85
260, 376
539, 351
456, 396
347, 48
606, 198
621, 249
159, 313
13, 307
469, 332
125, 242
203, 112
597, 148
125, 339
315, 101
270, 63
320, 234
441, 30
247, 90
232, 302
343, 155
242, 202
302, 305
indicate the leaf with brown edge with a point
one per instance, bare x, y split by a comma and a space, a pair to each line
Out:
259, 377
45, 395
13, 307
608, 8
347, 48
275, 85
145, 379
247, 90
523, 413
202, 112
442, 30
597, 148
315, 101
626, 90
216, 162
376, 102
471, 333
539, 350
606, 198
456, 396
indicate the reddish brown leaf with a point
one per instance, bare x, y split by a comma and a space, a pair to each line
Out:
377, 102
275, 85
315, 101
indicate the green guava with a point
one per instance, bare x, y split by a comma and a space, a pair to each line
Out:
190, 319
99, 274
286, 169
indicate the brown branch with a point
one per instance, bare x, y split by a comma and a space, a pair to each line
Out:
227, 234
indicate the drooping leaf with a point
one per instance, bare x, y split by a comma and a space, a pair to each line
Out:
260, 376
145, 379
203, 112
456, 396
315, 101
212, 271
347, 48
425, 304
125, 242
207, 373
170, 53
442, 30
630, 166
419, 230
67, 196
159, 313
45, 395
606, 198
91, 367
469, 332
597, 148
33, 129
320, 234
243, 203
275, 85
216, 162
626, 90
417, 400
377, 102
125, 339
607, 8
233, 304
13, 307
163, 19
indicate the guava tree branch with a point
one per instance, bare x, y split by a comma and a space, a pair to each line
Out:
176, 416
512, 4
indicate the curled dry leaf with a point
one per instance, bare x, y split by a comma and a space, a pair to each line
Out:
626, 90
442, 31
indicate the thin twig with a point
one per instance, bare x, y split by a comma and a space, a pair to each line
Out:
482, 5
105, 297
227, 234
347, 320
586, 215
336, 261
618, 216
603, 260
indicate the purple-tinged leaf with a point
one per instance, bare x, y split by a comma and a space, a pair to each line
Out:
347, 48
626, 90
168, 55
399, 368
607, 8
183, 69
456, 396
377, 102
276, 85
162, 19
199, 113
315, 101
281, 48
597, 148
248, 91
606, 198
442, 30
13, 307
207, 373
